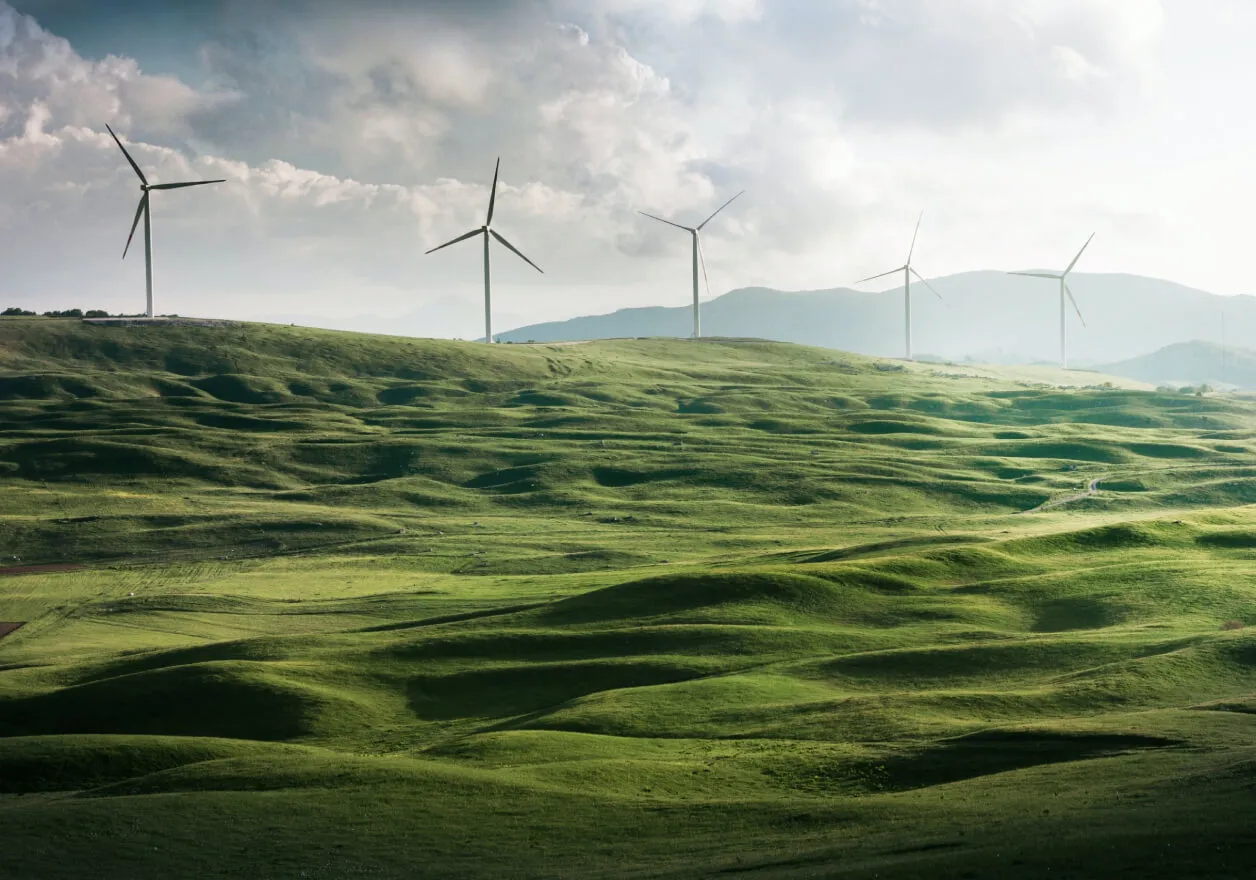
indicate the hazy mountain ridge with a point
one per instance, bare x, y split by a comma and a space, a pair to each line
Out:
1192, 363
986, 313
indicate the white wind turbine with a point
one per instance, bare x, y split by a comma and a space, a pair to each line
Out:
486, 230
143, 208
908, 271
1064, 289
697, 256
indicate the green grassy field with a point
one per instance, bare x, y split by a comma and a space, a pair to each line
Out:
334, 605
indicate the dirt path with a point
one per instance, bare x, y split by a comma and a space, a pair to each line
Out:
1092, 488
6, 628
15, 570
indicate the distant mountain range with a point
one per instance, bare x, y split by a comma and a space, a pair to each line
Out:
990, 317
1192, 363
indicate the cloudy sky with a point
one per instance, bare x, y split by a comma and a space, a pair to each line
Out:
356, 136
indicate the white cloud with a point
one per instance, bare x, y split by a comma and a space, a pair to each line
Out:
39, 67
35, 122
686, 12
353, 144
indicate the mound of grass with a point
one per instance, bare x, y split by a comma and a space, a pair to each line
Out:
1107, 537
887, 427
1079, 450
503, 692
73, 763
989, 752
670, 595
345, 605
235, 388
223, 699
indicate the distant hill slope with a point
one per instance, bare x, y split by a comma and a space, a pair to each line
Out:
988, 316
1192, 363
260, 438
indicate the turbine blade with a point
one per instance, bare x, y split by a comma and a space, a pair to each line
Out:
668, 222
464, 237
702, 260
1036, 275
1074, 302
139, 212
882, 275
721, 208
518, 253
182, 185
912, 249
492, 197
927, 284
143, 179
1079, 255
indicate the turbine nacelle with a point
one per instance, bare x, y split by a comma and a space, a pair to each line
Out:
1065, 291
908, 270
142, 210
698, 258
486, 230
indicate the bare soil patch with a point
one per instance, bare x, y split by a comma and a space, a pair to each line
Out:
15, 570
6, 628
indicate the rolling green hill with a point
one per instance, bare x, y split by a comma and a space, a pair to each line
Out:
316, 604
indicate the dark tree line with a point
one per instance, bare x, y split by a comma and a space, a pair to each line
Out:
15, 312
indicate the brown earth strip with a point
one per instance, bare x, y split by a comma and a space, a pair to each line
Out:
6, 628
15, 570
1092, 488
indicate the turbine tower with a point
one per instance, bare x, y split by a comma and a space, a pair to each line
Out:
488, 231
697, 256
143, 209
908, 271
1064, 290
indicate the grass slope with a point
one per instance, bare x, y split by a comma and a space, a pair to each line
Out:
361, 606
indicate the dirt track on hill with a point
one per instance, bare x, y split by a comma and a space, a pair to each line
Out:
1091, 489
6, 628
15, 570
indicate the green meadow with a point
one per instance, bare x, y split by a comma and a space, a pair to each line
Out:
299, 603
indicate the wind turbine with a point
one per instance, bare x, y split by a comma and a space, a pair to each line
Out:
143, 208
487, 230
1064, 289
908, 271
697, 256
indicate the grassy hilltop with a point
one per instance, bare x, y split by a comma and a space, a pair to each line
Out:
332, 605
